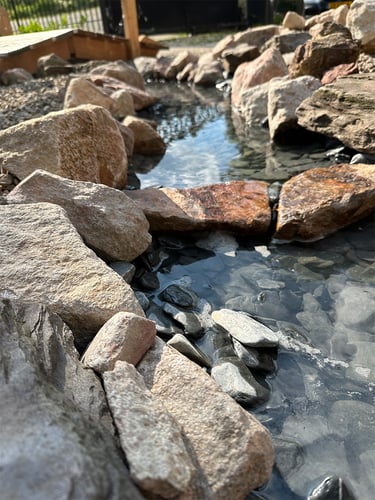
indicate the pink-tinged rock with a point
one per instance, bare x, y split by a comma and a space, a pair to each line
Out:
338, 71
320, 201
261, 70
120, 70
73, 143
124, 337
241, 206
141, 98
146, 139
331, 45
108, 221
231, 451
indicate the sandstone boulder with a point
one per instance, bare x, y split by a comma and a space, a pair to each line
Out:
283, 99
81, 91
265, 67
361, 22
231, 451
72, 143
47, 261
124, 337
146, 139
322, 200
150, 437
120, 70
240, 206
109, 221
254, 103
293, 21
331, 45
343, 109
50, 446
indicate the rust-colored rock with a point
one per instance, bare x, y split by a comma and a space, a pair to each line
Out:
338, 71
241, 206
320, 201
330, 46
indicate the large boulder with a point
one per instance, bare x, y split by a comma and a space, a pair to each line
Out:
240, 206
345, 110
322, 200
120, 70
109, 221
73, 143
254, 103
45, 260
261, 70
50, 447
283, 99
361, 22
231, 451
331, 45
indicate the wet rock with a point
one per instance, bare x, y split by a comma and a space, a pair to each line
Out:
361, 21
125, 269
261, 70
354, 308
330, 46
184, 346
235, 56
189, 320
58, 269
232, 452
158, 460
331, 488
15, 75
180, 295
161, 65
141, 98
49, 444
146, 140
109, 222
166, 327
120, 70
124, 337
322, 200
72, 143
288, 456
343, 110
254, 103
362, 158
145, 66
208, 71
232, 375
255, 359
266, 304
245, 329
283, 99
236, 206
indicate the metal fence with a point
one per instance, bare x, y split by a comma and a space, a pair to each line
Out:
37, 15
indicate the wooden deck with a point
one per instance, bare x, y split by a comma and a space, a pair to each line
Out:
23, 51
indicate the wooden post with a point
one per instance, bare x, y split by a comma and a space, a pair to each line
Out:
130, 19
5, 26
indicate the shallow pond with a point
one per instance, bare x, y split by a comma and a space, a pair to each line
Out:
321, 296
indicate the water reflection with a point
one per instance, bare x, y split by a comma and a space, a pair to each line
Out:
320, 296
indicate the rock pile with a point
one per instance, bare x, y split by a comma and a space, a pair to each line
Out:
71, 232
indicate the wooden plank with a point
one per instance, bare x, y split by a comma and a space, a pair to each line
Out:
96, 46
130, 19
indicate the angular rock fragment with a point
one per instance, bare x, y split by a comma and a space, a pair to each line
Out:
235, 206
108, 221
47, 262
320, 201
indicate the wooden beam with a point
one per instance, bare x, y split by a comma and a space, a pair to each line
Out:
131, 30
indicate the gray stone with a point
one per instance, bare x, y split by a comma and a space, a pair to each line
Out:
50, 449
73, 143
179, 295
124, 337
232, 452
150, 437
245, 329
125, 269
109, 222
253, 358
330, 488
47, 262
188, 319
185, 347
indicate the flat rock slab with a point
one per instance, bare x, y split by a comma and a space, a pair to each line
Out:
240, 206
320, 201
345, 110
231, 450
45, 260
109, 221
